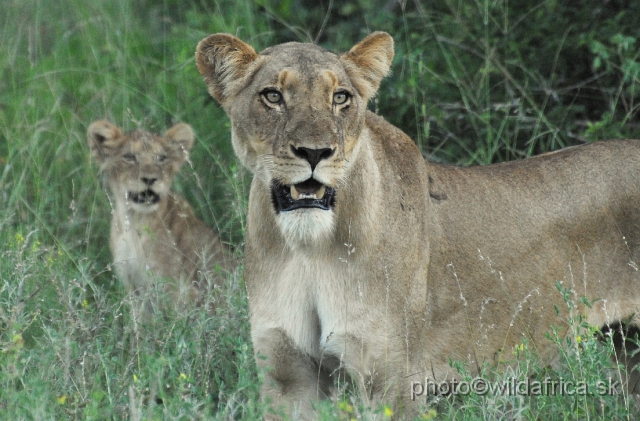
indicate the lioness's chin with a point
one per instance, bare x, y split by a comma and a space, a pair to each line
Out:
306, 226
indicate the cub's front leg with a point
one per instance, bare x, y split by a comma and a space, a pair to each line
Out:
293, 380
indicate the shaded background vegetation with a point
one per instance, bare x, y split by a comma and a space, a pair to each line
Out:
473, 82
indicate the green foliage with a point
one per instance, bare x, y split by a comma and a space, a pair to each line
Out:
70, 349
472, 82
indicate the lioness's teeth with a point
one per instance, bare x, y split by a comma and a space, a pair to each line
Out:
294, 193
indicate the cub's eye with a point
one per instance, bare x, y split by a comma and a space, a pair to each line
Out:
129, 158
273, 97
340, 98
161, 158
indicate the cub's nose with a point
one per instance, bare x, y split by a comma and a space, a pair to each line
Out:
148, 181
313, 156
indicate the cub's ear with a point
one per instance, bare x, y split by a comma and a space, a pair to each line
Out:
104, 138
181, 137
225, 63
368, 62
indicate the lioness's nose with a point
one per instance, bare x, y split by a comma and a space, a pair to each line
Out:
148, 181
313, 156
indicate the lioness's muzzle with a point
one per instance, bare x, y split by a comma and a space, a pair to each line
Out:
308, 194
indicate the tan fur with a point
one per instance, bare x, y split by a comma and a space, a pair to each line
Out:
417, 263
161, 238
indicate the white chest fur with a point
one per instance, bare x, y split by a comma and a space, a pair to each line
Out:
128, 238
320, 306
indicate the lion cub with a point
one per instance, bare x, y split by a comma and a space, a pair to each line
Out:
154, 233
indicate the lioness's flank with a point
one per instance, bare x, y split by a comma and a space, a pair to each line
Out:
363, 258
154, 233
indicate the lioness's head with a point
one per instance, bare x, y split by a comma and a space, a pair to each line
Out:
139, 167
297, 113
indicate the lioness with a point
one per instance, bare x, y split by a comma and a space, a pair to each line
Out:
154, 232
363, 258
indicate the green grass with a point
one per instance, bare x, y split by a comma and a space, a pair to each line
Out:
464, 88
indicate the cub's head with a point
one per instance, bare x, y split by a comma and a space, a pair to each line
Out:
297, 114
139, 167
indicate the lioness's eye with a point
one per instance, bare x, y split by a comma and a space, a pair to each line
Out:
340, 98
129, 157
272, 96
162, 158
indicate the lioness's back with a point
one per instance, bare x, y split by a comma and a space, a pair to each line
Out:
569, 216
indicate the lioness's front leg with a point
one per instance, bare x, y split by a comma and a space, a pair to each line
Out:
377, 365
293, 380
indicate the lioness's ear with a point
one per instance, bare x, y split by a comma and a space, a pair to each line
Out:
103, 138
368, 62
225, 63
181, 135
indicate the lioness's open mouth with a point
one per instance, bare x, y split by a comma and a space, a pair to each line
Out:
147, 197
308, 194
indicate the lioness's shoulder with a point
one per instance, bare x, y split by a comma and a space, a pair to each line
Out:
395, 149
